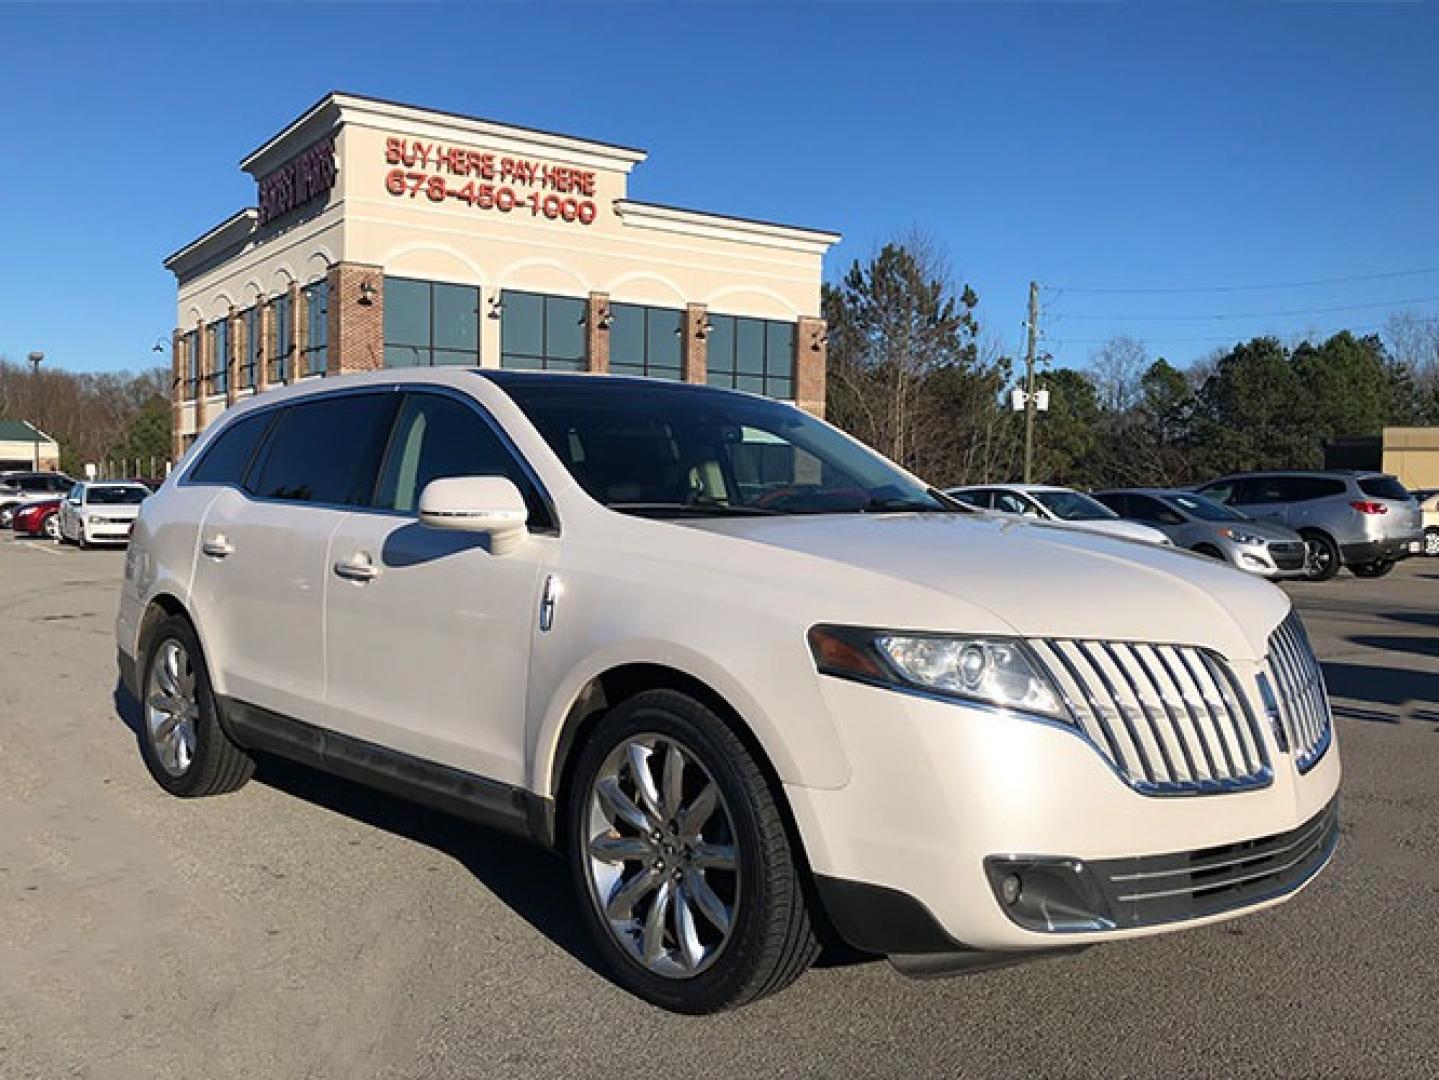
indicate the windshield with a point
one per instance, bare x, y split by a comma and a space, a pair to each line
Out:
1204, 509
115, 496
670, 450
1072, 506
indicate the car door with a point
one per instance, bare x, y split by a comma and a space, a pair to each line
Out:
427, 631
260, 572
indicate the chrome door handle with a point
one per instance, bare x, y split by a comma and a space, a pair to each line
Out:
357, 568
217, 547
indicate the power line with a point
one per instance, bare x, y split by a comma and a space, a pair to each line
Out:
1312, 283
1254, 314
1221, 337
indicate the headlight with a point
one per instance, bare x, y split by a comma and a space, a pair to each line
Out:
1239, 536
993, 670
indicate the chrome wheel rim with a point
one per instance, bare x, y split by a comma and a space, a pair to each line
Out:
52, 528
1431, 543
661, 856
1320, 559
171, 707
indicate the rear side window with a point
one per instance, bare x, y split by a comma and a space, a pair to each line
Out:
325, 450
1383, 487
1116, 501
1315, 487
437, 437
227, 458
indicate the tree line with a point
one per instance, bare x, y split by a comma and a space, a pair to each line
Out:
911, 374
93, 416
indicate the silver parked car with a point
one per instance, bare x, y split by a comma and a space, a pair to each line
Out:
1363, 520
1209, 528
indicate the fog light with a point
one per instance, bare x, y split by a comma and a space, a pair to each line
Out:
1048, 894
1254, 561
1010, 888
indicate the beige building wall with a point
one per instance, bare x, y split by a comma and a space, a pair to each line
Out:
1412, 454
428, 195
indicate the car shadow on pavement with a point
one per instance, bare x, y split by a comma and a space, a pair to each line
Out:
1382, 694
534, 883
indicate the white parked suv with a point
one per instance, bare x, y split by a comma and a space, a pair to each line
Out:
757, 684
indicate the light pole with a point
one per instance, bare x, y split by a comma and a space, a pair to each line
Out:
35, 358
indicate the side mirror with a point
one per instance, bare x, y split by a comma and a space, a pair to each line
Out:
479, 504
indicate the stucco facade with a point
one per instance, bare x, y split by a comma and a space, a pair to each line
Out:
356, 194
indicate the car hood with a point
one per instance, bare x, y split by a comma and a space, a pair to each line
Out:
1278, 534
1042, 580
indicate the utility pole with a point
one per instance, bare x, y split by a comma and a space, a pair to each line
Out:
1032, 325
35, 358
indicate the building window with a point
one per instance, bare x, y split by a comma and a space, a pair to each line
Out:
217, 336
545, 333
190, 343
317, 328
253, 348
752, 354
645, 341
282, 336
430, 323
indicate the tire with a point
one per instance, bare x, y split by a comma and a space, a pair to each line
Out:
1323, 560
80, 541
1431, 541
1212, 552
200, 759
1373, 569
51, 528
758, 890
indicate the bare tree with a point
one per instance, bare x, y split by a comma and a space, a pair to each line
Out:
1117, 367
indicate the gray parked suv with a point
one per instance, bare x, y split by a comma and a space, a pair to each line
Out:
1363, 520
1206, 527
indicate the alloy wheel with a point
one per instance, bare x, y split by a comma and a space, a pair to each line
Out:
172, 709
52, 527
1431, 542
662, 865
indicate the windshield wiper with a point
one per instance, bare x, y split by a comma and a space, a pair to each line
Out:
660, 509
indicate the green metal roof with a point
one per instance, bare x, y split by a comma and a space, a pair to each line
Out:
19, 431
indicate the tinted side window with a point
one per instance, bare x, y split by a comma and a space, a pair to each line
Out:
229, 455
1225, 491
1147, 509
437, 437
1304, 488
1261, 489
1116, 501
1383, 487
325, 450
1009, 503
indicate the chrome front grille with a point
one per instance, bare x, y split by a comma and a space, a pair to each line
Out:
1170, 719
1299, 685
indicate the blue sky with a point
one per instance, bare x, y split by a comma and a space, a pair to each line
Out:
1099, 146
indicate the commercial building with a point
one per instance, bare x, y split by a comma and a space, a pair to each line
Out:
386, 235
24, 446
1410, 453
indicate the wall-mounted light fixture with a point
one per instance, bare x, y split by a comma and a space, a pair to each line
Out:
367, 292
820, 340
496, 307
702, 331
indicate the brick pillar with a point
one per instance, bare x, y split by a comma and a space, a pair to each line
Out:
263, 359
811, 354
177, 391
202, 385
300, 308
357, 318
694, 345
232, 364
597, 333
293, 360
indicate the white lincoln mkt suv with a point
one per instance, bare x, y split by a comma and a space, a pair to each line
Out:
755, 683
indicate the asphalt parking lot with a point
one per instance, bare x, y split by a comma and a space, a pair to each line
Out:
305, 927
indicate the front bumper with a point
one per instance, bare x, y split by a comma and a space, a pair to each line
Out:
99, 532
1274, 562
940, 791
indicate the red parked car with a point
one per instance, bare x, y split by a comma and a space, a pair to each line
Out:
38, 518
